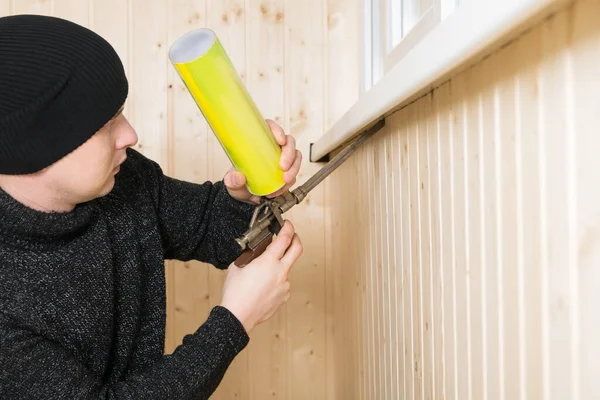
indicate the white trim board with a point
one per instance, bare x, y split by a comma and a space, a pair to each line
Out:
474, 29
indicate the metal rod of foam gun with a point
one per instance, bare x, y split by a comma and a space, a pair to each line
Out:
256, 239
338, 160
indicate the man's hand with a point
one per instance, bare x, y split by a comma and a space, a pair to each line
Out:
289, 162
254, 293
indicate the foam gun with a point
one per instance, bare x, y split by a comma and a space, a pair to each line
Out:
210, 77
267, 219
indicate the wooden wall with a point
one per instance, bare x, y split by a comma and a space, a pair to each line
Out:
456, 255
300, 63
465, 253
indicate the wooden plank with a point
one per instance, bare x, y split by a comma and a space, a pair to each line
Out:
228, 19
5, 8
447, 243
528, 53
339, 24
424, 186
264, 56
415, 248
584, 117
148, 76
381, 262
110, 19
331, 275
459, 234
304, 120
437, 277
400, 249
371, 280
475, 229
391, 217
363, 269
343, 20
506, 122
407, 260
43, 7
187, 160
80, 12
557, 273
492, 264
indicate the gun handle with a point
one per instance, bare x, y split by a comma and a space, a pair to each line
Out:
250, 254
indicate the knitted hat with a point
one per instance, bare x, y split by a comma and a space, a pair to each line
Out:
59, 84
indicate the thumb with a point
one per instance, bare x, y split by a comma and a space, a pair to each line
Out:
282, 241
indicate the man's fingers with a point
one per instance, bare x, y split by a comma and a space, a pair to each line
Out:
291, 174
277, 132
288, 153
234, 179
293, 252
282, 241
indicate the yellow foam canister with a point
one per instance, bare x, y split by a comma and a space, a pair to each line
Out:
211, 79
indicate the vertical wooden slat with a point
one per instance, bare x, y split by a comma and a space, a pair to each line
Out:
382, 320
507, 122
332, 269
424, 187
5, 8
110, 19
585, 117
361, 272
399, 249
387, 273
490, 265
340, 66
416, 249
407, 261
148, 70
391, 216
304, 71
444, 96
33, 7
437, 278
77, 11
187, 282
528, 52
266, 83
460, 234
556, 235
475, 229
372, 290
228, 19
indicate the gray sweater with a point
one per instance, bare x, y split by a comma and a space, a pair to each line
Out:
82, 294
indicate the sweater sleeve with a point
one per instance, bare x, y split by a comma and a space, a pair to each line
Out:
196, 221
34, 367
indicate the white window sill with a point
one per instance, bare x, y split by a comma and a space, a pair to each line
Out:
473, 30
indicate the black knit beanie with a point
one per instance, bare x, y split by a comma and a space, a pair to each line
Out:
59, 84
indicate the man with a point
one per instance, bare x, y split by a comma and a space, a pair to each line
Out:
86, 223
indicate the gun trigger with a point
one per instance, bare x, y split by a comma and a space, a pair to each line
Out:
276, 224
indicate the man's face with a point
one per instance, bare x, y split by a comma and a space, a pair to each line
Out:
89, 171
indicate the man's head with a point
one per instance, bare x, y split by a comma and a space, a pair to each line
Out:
62, 91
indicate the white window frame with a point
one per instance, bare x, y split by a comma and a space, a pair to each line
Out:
379, 16
466, 31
